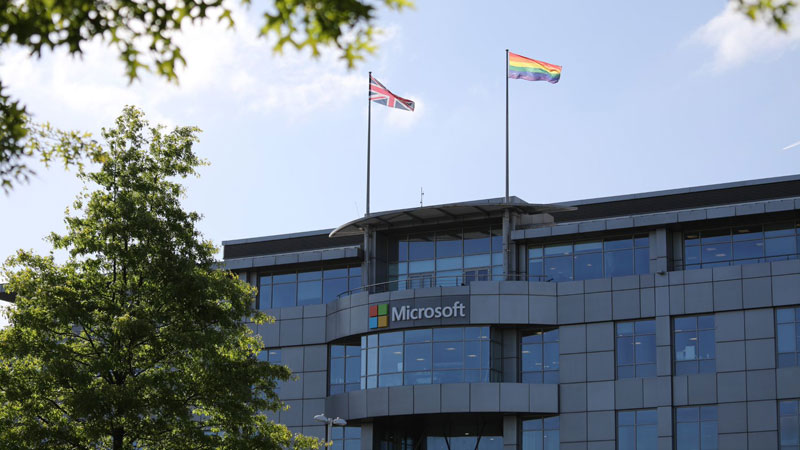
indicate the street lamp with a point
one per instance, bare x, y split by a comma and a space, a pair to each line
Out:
339, 422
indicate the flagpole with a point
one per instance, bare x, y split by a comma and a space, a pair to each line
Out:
369, 129
506, 70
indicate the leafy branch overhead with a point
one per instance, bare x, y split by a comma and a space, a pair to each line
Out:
775, 12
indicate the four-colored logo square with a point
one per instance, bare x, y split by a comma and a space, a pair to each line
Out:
379, 316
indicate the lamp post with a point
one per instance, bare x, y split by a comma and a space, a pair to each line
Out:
339, 422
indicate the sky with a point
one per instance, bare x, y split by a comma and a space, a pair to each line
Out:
653, 95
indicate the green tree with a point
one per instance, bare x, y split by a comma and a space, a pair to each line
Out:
143, 33
136, 341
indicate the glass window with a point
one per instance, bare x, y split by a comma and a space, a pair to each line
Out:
696, 428
420, 248
540, 434
425, 356
694, 343
539, 356
345, 368
788, 330
264, 292
789, 424
346, 438
637, 429
476, 242
590, 259
306, 287
636, 349
740, 245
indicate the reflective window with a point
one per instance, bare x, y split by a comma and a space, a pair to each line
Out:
788, 328
270, 355
789, 424
308, 287
637, 430
539, 355
583, 260
636, 349
696, 428
429, 356
540, 434
740, 245
345, 369
346, 438
694, 344
445, 258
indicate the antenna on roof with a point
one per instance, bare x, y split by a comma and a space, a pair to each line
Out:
421, 195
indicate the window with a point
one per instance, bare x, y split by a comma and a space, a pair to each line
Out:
589, 259
428, 356
636, 349
696, 428
695, 347
539, 351
345, 370
740, 245
788, 337
789, 423
446, 258
540, 434
270, 355
637, 430
310, 287
346, 438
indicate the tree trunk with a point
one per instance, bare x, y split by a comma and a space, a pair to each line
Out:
116, 435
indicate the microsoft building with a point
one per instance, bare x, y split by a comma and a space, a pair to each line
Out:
660, 320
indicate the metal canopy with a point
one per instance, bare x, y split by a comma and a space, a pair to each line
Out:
478, 209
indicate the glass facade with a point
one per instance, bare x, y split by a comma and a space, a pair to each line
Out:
788, 328
346, 438
309, 287
585, 260
539, 356
540, 434
429, 356
740, 245
637, 430
789, 424
695, 345
345, 368
446, 258
696, 428
636, 349
440, 432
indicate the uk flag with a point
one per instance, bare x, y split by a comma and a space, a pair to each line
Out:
379, 94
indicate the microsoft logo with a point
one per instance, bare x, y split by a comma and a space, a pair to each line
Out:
379, 316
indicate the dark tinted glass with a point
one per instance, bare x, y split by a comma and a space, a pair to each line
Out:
476, 242
448, 244
421, 247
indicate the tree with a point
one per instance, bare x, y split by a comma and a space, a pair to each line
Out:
143, 34
136, 341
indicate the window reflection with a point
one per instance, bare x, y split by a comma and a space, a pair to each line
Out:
636, 349
539, 351
788, 331
696, 428
589, 259
789, 423
740, 245
695, 347
637, 429
540, 434
308, 287
345, 368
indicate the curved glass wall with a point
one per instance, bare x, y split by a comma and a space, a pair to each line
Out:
429, 356
605, 258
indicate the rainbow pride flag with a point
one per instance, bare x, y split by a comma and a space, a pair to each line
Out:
520, 67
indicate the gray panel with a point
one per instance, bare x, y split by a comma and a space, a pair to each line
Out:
514, 308
292, 389
785, 289
761, 354
759, 323
573, 446
270, 333
749, 209
785, 267
765, 440
729, 326
599, 366
314, 311
484, 397
730, 356
292, 357
663, 331
597, 285
484, 309
514, 287
543, 310
542, 289
601, 445
314, 330
664, 421
702, 388
727, 273
570, 288
680, 391
676, 303
359, 319
762, 416
293, 416
650, 392
315, 358
572, 339
733, 441
336, 406
598, 306
698, 276
484, 287
647, 298
378, 402
617, 223
600, 396
544, 398
291, 332
573, 397
662, 300
625, 283
315, 431
664, 391
732, 417
343, 319
788, 386
514, 397
698, 297
757, 292
599, 336
761, 384
570, 308
572, 427
427, 399
455, 397
357, 403
729, 387
756, 270
601, 425
628, 393
510, 431
663, 361
401, 400
315, 384
625, 304
311, 408
727, 295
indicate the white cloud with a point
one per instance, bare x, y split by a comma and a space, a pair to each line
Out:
736, 40
405, 119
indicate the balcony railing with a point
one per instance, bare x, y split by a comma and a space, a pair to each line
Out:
428, 281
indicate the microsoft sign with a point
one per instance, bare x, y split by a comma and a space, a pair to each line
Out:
423, 311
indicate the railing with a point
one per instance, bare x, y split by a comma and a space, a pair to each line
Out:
427, 281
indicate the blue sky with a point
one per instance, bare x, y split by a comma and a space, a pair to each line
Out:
654, 95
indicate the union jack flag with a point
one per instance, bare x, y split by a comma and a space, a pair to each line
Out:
379, 94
